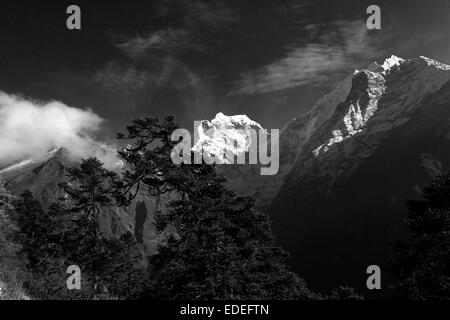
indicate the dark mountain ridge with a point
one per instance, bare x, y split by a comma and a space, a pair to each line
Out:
341, 207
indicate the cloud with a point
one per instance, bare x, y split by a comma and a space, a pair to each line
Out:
31, 129
196, 14
168, 41
155, 64
127, 80
193, 22
167, 59
156, 61
134, 85
325, 57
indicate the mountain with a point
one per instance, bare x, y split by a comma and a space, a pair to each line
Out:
41, 176
232, 135
350, 163
225, 134
347, 167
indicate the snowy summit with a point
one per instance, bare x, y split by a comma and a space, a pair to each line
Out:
225, 134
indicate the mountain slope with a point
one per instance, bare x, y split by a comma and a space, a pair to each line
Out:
341, 206
42, 175
247, 180
232, 135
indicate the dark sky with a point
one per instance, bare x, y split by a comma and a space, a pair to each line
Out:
270, 60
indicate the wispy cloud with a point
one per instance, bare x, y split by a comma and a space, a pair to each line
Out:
196, 14
136, 84
155, 59
323, 58
124, 79
194, 19
167, 41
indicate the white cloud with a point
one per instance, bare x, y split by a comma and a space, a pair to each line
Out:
325, 57
30, 129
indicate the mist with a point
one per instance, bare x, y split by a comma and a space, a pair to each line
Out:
30, 129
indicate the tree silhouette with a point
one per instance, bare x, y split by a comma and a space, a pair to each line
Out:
423, 263
218, 246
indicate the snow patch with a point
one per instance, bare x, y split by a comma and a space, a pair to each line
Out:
437, 64
392, 62
18, 165
225, 134
357, 116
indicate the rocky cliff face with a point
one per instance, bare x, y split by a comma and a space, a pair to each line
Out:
356, 157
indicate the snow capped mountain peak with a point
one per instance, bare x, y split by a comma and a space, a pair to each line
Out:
395, 61
371, 85
225, 134
385, 67
235, 122
349, 123
435, 63
106, 154
60, 153
391, 62
17, 165
355, 160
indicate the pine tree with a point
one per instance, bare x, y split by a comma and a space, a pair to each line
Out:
44, 260
423, 263
7, 228
12, 262
115, 266
147, 159
220, 246
88, 192
222, 249
68, 234
33, 223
